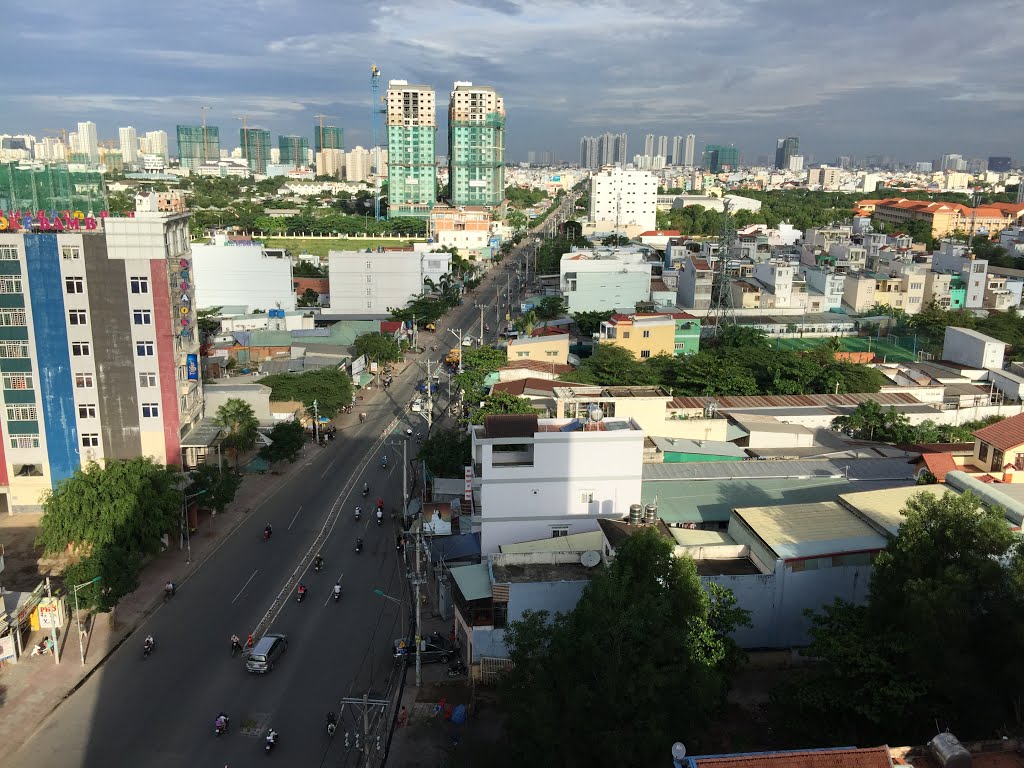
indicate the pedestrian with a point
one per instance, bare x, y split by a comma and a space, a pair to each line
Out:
403, 716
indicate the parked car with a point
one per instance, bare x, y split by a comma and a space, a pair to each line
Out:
433, 648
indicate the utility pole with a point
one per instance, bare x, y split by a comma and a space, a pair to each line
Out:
481, 307
316, 422
361, 736
417, 582
430, 399
53, 627
414, 331
405, 477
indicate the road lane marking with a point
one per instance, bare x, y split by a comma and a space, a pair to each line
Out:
328, 467
245, 585
295, 518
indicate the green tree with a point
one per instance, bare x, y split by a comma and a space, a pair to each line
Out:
869, 421
550, 308
208, 321
381, 347
517, 220
526, 322
309, 298
614, 240
240, 424
446, 452
287, 439
501, 402
116, 570
308, 269
589, 323
330, 387
644, 639
611, 364
218, 486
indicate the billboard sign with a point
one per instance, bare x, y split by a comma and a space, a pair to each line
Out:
192, 364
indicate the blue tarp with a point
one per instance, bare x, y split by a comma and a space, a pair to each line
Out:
456, 547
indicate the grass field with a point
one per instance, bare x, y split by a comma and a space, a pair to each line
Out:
321, 245
882, 349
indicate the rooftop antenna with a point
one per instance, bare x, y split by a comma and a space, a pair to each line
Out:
374, 117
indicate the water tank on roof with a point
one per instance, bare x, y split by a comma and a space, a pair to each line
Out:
636, 514
651, 514
949, 752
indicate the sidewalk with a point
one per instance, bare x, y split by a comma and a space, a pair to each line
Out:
34, 686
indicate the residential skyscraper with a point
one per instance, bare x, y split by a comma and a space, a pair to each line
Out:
663, 146
358, 165
294, 150
649, 144
412, 137
785, 149
328, 137
611, 149
197, 144
691, 143
129, 142
675, 157
719, 158
155, 143
589, 157
255, 144
87, 140
476, 145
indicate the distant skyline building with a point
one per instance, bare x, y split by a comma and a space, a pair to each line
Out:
197, 144
328, 137
411, 112
87, 141
589, 157
952, 162
255, 146
154, 143
649, 144
1000, 164
784, 150
719, 158
129, 142
476, 145
662, 146
294, 150
691, 143
676, 155
612, 148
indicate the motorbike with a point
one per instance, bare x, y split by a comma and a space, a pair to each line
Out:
236, 646
383, 463
266, 534
318, 565
457, 669
366, 490
271, 741
220, 728
359, 546
337, 595
300, 595
380, 518
147, 648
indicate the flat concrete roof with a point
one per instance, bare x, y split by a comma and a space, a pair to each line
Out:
884, 508
541, 572
798, 531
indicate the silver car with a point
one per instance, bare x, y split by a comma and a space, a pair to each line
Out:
266, 652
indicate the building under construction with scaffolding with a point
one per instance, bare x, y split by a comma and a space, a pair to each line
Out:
476, 145
38, 187
412, 136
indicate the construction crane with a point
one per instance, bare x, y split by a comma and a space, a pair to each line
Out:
321, 118
206, 150
245, 137
375, 113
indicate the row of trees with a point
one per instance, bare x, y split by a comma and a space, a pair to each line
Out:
329, 387
869, 421
929, 326
740, 362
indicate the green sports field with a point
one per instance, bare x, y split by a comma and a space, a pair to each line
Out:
882, 349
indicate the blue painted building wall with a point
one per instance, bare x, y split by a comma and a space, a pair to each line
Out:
55, 377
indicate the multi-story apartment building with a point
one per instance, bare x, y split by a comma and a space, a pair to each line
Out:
467, 228
129, 143
38, 187
944, 289
476, 145
542, 478
824, 178
411, 113
946, 218
695, 282
611, 149
784, 281
786, 149
255, 145
624, 200
953, 257
589, 157
649, 144
649, 334
676, 157
87, 141
100, 357
859, 291
294, 150
154, 143
592, 281
328, 137
374, 283
688, 153
826, 282
197, 144
720, 159
227, 274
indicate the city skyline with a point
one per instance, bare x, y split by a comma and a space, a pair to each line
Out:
832, 96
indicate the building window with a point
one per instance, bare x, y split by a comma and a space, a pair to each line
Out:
17, 381
22, 413
83, 380
87, 411
558, 531
140, 284
142, 317
77, 317
150, 410
8, 253
70, 252
647, 334
10, 285
90, 440
586, 497
552, 353
983, 453
369, 278
25, 441
144, 348
147, 379
644, 354
369, 265
80, 348
13, 349
74, 285
625, 334
13, 317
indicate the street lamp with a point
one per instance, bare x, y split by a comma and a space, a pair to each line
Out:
399, 603
78, 615
184, 520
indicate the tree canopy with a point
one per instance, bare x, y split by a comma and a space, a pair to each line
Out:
287, 439
330, 387
643, 661
240, 424
446, 452
377, 346
477, 362
501, 402
937, 640
869, 421
218, 486
550, 308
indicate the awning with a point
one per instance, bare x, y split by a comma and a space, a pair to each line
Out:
455, 547
474, 581
205, 434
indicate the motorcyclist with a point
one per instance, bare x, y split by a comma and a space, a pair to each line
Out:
380, 503
332, 719
272, 736
384, 460
268, 530
359, 512
366, 488
236, 644
359, 545
221, 723
337, 588
169, 589
148, 643
318, 562
380, 514
301, 589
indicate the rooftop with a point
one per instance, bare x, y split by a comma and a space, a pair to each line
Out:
842, 757
798, 531
1003, 435
541, 572
473, 581
884, 508
796, 401
536, 365
851, 469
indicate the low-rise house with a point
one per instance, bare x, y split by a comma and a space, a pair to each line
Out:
547, 348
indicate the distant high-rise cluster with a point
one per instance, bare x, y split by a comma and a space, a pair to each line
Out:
785, 150
608, 149
197, 144
659, 151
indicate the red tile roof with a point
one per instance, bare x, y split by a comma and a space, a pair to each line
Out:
939, 464
520, 386
1003, 435
536, 365
390, 326
872, 757
660, 233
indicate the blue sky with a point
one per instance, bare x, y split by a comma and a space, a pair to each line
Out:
910, 78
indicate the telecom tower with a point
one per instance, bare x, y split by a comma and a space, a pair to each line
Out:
374, 117
721, 301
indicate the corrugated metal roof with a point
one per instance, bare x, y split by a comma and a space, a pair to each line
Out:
846, 757
574, 542
811, 530
884, 508
474, 581
855, 469
795, 401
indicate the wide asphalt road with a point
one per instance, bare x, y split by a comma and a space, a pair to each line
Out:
160, 711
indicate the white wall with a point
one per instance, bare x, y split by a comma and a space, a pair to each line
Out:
624, 197
370, 283
520, 503
240, 275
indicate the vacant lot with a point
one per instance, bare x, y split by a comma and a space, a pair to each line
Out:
319, 246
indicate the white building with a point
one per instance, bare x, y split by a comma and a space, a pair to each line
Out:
223, 168
372, 283
952, 257
623, 200
967, 347
154, 143
228, 275
129, 142
543, 478
87, 141
605, 278
358, 164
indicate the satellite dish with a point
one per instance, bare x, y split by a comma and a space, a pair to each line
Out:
590, 558
594, 413
678, 751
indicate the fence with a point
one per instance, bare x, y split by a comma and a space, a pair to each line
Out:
491, 668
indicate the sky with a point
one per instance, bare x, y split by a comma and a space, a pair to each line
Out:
913, 79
